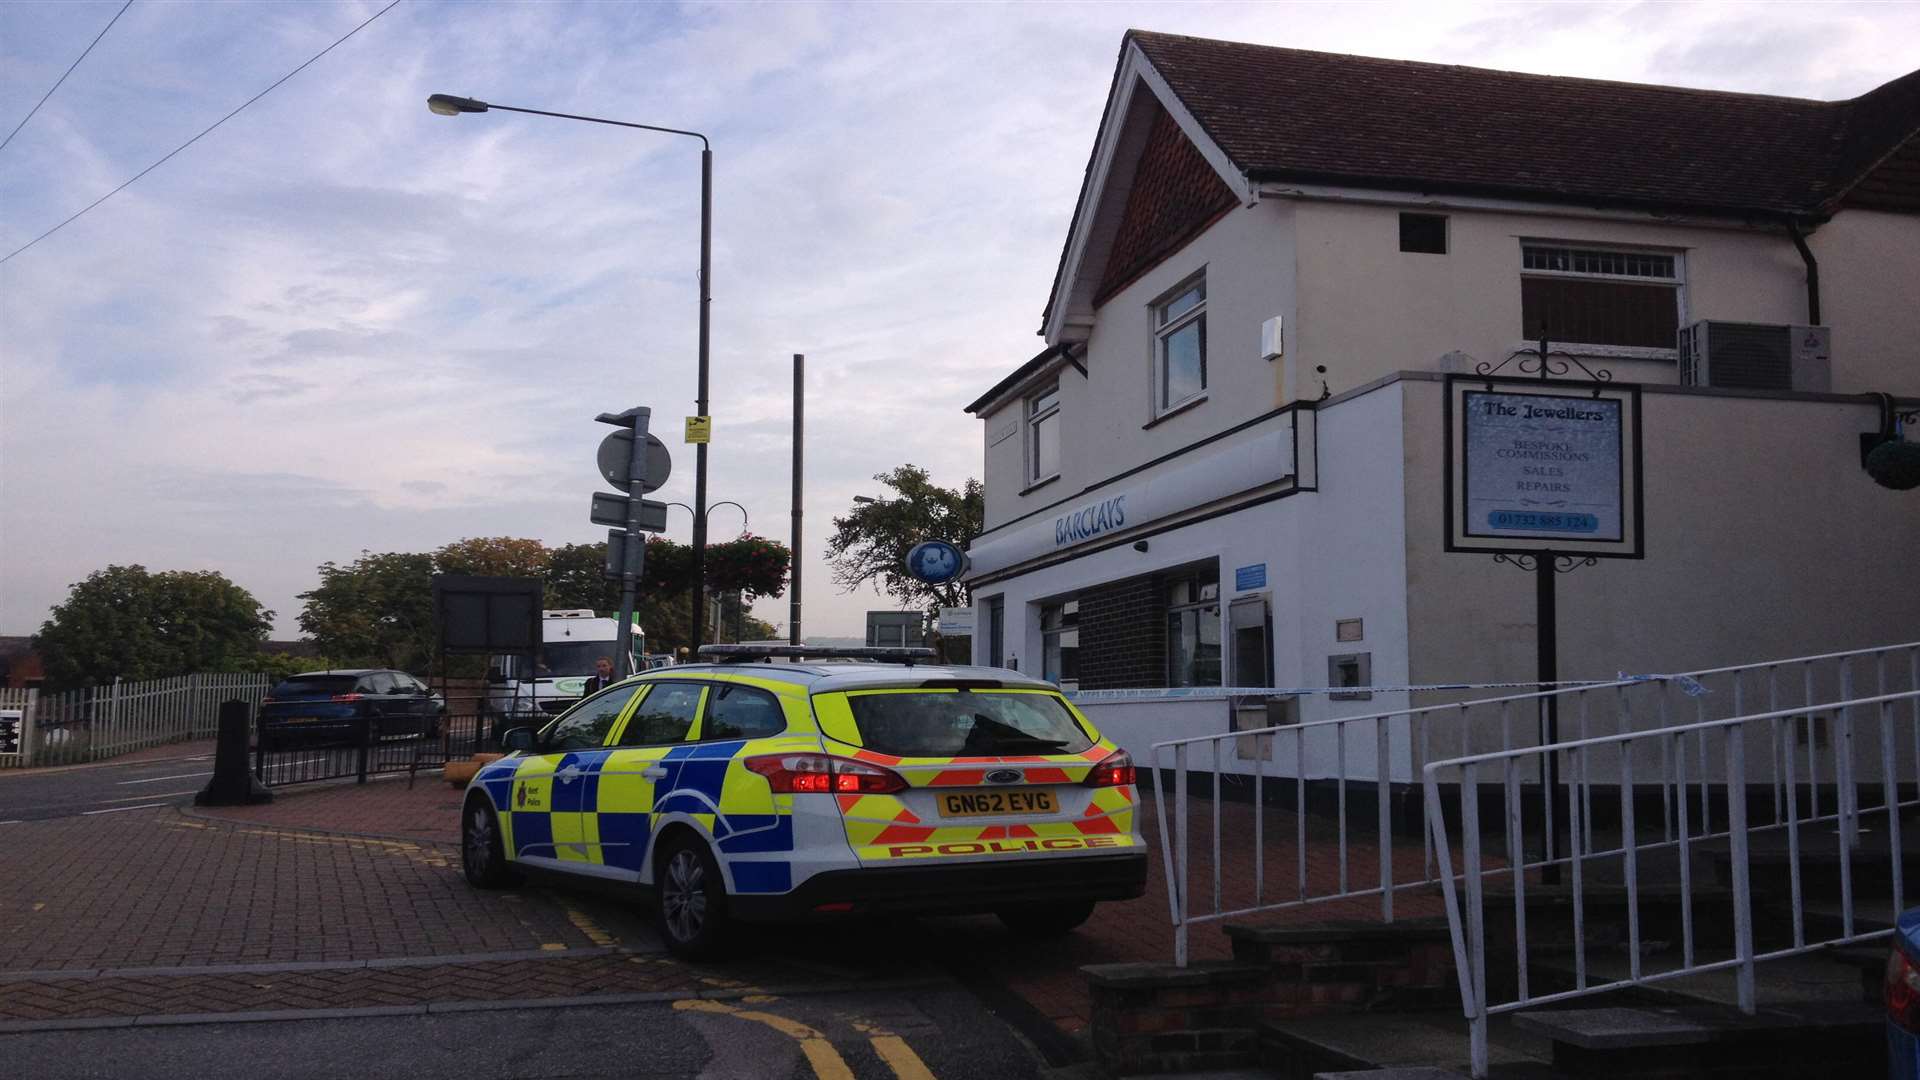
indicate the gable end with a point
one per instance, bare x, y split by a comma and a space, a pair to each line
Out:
1175, 195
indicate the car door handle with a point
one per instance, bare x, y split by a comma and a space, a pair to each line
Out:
657, 772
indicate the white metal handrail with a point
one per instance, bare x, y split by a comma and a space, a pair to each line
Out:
1681, 835
1641, 703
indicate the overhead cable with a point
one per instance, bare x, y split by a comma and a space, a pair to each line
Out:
276, 83
64, 74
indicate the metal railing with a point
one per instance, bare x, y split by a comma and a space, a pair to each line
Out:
1632, 829
98, 722
361, 747
1346, 759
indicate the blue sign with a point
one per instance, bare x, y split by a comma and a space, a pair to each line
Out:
936, 562
1250, 577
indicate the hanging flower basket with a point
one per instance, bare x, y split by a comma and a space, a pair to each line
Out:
1895, 464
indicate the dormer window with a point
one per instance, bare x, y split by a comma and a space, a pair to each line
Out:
1043, 435
1180, 345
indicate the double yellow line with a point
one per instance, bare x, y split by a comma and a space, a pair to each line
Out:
826, 1061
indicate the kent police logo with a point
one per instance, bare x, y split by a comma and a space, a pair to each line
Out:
520, 797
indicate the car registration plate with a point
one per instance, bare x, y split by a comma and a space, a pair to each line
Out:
996, 803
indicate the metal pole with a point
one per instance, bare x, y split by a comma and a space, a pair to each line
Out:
799, 444
629, 580
700, 405
1547, 666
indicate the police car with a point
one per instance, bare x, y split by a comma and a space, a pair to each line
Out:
843, 781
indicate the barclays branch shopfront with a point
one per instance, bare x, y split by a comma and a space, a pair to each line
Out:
1162, 576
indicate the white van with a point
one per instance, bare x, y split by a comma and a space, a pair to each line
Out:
571, 641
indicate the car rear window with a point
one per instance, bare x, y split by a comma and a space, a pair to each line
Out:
966, 723
314, 686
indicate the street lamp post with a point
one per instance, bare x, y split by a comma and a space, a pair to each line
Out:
450, 105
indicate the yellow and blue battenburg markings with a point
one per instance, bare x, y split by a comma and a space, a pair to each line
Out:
597, 807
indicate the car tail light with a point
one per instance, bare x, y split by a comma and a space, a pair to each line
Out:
1114, 770
791, 774
346, 697
1901, 992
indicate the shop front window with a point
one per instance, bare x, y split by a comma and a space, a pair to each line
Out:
1060, 640
1193, 628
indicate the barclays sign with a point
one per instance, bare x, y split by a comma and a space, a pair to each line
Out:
1094, 519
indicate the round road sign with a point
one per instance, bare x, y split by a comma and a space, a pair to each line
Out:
616, 454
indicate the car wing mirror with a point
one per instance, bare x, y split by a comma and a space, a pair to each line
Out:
520, 738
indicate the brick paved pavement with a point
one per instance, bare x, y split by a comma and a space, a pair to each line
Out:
356, 897
428, 810
151, 888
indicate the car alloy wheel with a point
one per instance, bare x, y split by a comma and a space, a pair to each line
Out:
482, 854
683, 895
479, 841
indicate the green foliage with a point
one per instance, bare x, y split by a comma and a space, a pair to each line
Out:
870, 544
124, 621
576, 578
376, 611
494, 556
280, 666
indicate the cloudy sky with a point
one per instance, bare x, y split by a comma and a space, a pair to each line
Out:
341, 323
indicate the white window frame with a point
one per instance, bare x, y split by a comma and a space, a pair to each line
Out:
1030, 426
1162, 331
1623, 352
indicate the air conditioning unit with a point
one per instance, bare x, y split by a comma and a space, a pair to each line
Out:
1756, 356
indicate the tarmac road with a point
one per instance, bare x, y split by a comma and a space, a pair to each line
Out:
935, 1033
35, 795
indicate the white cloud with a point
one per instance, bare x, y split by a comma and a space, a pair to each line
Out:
340, 323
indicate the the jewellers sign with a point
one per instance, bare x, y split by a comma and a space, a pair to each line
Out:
1543, 466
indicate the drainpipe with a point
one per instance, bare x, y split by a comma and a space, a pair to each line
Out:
1813, 271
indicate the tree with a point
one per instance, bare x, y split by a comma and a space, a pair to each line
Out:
124, 621
378, 609
375, 611
870, 544
494, 556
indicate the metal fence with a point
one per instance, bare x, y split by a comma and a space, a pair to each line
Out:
104, 721
364, 747
1346, 768
1641, 813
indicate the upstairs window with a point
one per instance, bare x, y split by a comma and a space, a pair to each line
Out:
1423, 234
1180, 345
1599, 296
1043, 435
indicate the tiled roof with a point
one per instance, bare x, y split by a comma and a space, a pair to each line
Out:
1289, 114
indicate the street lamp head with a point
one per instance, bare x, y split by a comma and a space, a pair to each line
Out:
865, 499
449, 105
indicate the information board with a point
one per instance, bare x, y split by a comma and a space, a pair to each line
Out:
1538, 465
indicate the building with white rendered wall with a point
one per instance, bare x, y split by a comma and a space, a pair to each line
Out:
1226, 465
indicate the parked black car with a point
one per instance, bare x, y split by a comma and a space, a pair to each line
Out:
324, 706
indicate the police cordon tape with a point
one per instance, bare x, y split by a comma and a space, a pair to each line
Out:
1688, 685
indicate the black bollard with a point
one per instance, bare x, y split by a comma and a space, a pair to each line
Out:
233, 783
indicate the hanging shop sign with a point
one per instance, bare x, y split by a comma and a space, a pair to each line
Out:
935, 562
1541, 465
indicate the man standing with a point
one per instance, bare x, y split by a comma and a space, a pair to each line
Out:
602, 675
